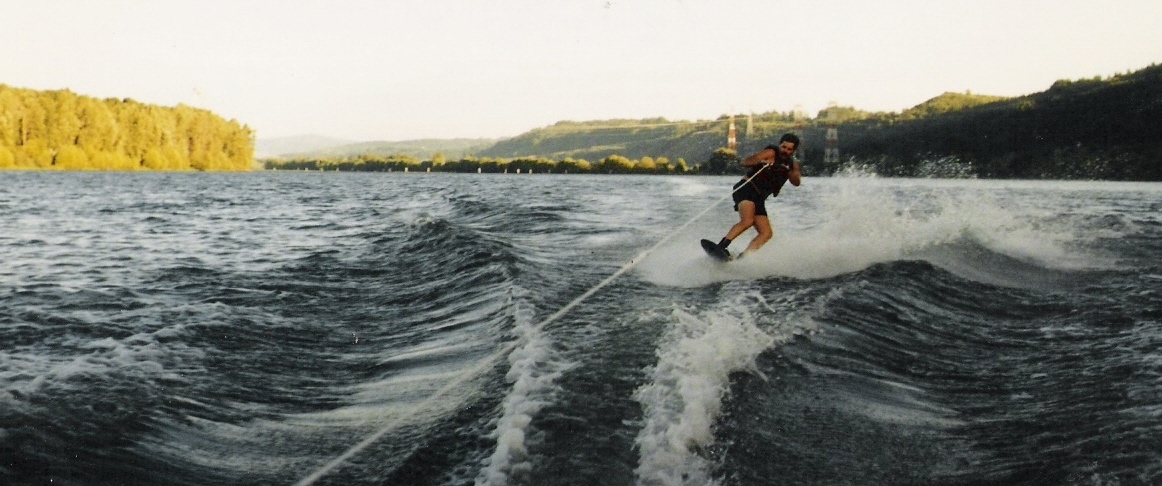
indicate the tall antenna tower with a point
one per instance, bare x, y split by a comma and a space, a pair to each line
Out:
831, 152
732, 136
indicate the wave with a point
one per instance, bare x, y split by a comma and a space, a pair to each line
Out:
855, 224
894, 332
683, 399
941, 374
534, 368
274, 362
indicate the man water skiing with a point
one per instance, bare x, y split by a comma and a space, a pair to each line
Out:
769, 169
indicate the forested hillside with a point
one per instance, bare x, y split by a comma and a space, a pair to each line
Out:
692, 141
650, 146
1077, 129
1085, 129
60, 130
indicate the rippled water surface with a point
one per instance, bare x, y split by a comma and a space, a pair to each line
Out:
274, 328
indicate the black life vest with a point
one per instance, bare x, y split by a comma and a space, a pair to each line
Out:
769, 181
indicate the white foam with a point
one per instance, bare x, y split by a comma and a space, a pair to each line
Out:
845, 225
533, 371
684, 397
137, 355
694, 186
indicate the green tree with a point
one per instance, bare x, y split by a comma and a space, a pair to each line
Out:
615, 164
723, 161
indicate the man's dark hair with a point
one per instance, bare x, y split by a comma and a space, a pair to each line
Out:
790, 137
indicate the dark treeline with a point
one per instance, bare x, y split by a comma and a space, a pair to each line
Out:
614, 164
60, 130
1085, 129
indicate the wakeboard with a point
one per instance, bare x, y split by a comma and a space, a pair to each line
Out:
715, 252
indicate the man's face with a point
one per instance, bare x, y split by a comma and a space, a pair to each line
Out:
786, 150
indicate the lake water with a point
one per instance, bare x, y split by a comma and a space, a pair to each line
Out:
340, 328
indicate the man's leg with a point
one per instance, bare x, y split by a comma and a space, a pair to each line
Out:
746, 219
763, 225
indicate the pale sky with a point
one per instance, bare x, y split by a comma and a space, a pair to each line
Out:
398, 70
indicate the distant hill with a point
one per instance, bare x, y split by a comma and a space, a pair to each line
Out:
270, 147
949, 102
634, 139
452, 148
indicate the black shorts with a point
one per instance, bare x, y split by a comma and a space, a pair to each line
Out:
749, 193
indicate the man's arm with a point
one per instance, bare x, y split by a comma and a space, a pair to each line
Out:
763, 156
793, 175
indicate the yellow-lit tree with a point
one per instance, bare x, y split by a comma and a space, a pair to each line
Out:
7, 158
64, 131
71, 157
